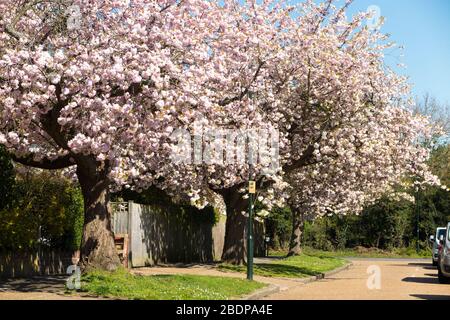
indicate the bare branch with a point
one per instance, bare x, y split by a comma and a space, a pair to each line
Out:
58, 163
246, 91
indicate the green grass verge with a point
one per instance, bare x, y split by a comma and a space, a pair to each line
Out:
122, 284
293, 267
361, 253
371, 253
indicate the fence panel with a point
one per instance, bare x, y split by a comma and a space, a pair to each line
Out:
119, 218
28, 264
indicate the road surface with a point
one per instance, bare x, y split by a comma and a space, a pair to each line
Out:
374, 279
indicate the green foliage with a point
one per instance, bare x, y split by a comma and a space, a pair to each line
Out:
317, 233
279, 227
45, 206
165, 287
440, 163
362, 252
386, 225
6, 178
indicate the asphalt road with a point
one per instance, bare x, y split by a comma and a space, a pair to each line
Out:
374, 279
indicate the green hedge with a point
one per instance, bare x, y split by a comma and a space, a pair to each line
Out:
39, 203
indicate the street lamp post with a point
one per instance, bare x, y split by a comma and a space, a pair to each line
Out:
418, 220
251, 191
251, 194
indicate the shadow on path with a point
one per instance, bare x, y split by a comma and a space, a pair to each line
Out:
426, 266
415, 265
431, 274
421, 280
50, 284
431, 297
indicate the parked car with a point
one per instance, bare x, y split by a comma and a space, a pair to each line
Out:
444, 257
434, 239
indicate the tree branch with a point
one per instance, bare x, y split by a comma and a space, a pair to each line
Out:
245, 92
306, 159
59, 163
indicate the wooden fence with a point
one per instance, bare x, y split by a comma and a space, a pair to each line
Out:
28, 264
155, 236
158, 236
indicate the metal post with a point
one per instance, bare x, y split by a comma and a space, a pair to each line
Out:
39, 248
250, 231
418, 221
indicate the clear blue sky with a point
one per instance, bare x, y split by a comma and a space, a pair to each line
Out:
423, 28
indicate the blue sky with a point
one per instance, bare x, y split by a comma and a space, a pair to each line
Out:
423, 28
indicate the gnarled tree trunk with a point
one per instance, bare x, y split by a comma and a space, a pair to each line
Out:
235, 246
295, 247
97, 246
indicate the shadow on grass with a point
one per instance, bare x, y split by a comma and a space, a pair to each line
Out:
324, 256
274, 270
284, 269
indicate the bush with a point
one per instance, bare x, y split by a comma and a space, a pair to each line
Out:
46, 209
279, 228
6, 178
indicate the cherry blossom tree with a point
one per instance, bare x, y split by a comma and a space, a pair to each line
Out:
359, 165
342, 112
100, 86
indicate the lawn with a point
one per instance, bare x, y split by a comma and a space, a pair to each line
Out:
122, 284
370, 253
361, 253
293, 267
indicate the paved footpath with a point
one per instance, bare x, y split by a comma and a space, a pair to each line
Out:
401, 279
38, 288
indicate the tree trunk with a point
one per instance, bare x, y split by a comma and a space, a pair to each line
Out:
235, 246
97, 246
297, 230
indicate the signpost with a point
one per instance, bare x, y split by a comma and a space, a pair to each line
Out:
251, 191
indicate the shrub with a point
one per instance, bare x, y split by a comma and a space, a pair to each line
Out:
46, 209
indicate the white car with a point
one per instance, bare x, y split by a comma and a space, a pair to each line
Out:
444, 257
434, 239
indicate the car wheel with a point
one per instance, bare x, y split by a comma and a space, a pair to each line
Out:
442, 278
